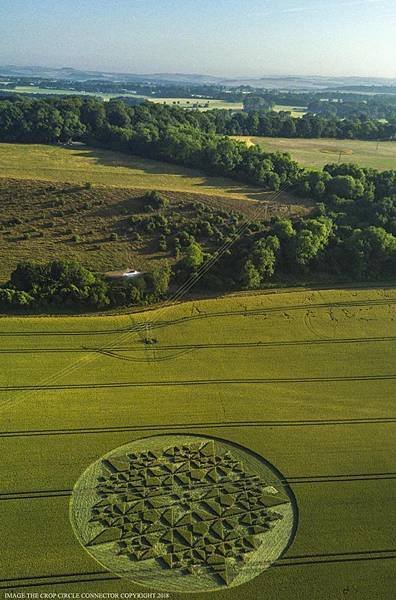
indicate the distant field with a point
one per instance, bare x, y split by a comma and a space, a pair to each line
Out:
199, 103
296, 111
305, 379
32, 89
319, 152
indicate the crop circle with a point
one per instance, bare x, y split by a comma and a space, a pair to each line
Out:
183, 513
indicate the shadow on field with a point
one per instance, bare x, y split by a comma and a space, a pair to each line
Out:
109, 158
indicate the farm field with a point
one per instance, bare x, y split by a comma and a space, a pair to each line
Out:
296, 111
317, 153
200, 103
304, 379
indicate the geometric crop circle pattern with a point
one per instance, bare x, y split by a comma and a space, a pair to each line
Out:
183, 513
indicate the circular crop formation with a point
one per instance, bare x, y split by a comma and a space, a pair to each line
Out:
183, 513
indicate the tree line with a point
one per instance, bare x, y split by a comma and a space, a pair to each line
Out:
67, 284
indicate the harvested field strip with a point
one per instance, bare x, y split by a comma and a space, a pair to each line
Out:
218, 314
37, 494
208, 346
198, 382
184, 426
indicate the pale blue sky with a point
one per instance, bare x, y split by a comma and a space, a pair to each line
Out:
217, 37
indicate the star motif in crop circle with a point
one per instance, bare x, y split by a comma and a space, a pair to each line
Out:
183, 513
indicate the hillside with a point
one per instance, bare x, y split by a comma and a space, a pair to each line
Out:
45, 220
80, 164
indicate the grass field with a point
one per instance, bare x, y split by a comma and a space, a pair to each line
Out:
104, 167
319, 152
303, 378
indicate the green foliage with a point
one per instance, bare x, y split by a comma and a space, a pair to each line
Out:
265, 255
351, 199
194, 256
67, 283
158, 281
153, 200
251, 278
371, 253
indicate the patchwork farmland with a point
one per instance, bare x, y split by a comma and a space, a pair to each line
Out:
303, 379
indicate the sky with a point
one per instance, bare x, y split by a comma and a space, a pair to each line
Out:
230, 38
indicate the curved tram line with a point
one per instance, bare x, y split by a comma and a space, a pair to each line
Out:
202, 346
142, 326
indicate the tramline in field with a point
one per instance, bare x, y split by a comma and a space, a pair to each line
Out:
307, 381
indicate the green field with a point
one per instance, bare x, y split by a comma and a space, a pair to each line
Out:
296, 111
83, 164
303, 378
319, 152
201, 103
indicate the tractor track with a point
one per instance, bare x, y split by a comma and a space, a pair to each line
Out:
186, 426
203, 346
140, 327
196, 383
304, 480
285, 561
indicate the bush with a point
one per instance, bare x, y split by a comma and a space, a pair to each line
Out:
162, 244
154, 201
10, 297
